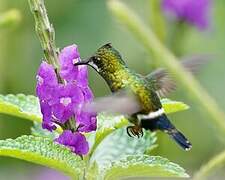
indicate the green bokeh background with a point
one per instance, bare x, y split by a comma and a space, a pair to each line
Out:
89, 24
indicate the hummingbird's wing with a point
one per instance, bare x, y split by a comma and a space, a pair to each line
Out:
122, 102
162, 81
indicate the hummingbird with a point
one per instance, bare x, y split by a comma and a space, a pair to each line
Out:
136, 95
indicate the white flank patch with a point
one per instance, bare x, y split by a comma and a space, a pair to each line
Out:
151, 115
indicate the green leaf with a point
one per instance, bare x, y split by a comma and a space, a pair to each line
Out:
108, 123
45, 152
170, 106
22, 106
118, 144
143, 166
37, 130
93, 172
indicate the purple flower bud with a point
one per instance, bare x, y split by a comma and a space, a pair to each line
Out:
46, 81
87, 122
68, 57
88, 95
47, 116
193, 11
75, 141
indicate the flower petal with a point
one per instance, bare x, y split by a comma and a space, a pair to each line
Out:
193, 11
75, 141
67, 57
46, 81
47, 116
86, 121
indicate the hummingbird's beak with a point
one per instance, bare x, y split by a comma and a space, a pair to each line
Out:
83, 62
89, 62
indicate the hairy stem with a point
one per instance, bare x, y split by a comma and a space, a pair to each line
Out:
45, 31
165, 58
213, 164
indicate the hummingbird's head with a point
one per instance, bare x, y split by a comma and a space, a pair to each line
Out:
105, 59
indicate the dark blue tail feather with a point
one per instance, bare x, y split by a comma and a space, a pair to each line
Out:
162, 123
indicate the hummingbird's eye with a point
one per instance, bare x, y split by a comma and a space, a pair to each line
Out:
96, 59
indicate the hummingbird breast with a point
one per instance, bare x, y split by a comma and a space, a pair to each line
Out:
125, 78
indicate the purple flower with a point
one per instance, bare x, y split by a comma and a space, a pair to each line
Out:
46, 111
62, 102
88, 95
68, 57
75, 141
66, 101
46, 81
86, 121
193, 11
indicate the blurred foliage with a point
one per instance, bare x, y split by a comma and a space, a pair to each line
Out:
10, 18
89, 24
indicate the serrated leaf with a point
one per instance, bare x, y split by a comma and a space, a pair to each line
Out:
45, 152
22, 106
37, 130
170, 106
143, 166
108, 123
118, 144
92, 172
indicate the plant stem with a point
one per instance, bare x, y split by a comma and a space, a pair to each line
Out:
157, 20
46, 35
45, 32
214, 163
165, 58
177, 37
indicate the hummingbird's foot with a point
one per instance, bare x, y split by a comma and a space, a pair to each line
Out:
134, 131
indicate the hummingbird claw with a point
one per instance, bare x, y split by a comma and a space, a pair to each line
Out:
132, 131
138, 135
129, 131
141, 133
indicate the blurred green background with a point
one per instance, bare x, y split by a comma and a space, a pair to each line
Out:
89, 24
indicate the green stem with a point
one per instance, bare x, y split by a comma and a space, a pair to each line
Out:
45, 32
46, 35
156, 18
165, 58
177, 37
213, 164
